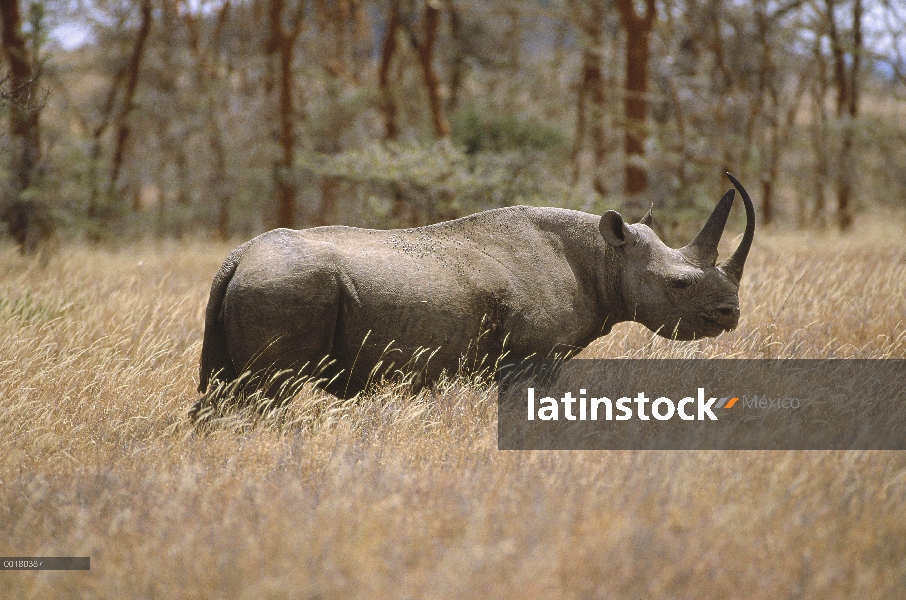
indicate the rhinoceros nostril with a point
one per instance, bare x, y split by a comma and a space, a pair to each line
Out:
725, 316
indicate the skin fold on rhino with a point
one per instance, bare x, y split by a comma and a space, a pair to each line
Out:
524, 281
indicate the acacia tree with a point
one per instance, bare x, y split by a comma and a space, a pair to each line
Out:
777, 110
456, 55
207, 68
591, 90
341, 34
846, 64
282, 42
28, 220
819, 135
24, 112
424, 45
123, 86
388, 49
123, 128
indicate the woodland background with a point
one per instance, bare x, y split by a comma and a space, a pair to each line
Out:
143, 131
136, 118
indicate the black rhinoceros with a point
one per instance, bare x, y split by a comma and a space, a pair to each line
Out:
525, 281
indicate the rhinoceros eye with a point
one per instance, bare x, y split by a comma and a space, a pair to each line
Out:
678, 282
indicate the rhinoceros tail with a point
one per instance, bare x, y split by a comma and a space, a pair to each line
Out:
215, 358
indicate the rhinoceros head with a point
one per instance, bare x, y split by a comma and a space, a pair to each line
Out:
681, 294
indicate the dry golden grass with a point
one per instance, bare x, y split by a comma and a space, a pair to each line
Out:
407, 497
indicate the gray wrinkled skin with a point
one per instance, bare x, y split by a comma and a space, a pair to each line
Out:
526, 281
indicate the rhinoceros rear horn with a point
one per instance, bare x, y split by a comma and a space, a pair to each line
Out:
703, 249
733, 265
648, 218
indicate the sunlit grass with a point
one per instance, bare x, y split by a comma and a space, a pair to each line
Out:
394, 495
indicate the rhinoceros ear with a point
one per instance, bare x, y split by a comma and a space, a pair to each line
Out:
613, 229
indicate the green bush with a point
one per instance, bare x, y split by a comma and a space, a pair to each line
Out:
438, 181
481, 131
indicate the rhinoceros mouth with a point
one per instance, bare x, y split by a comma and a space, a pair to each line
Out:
724, 316
714, 327
707, 324
696, 329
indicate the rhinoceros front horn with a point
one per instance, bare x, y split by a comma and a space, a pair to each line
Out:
733, 265
702, 251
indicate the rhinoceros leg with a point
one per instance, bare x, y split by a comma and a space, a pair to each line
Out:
281, 319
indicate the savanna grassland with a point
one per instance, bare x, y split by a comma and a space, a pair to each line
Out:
394, 496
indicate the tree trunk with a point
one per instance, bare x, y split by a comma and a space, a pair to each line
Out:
767, 86
847, 170
591, 88
391, 131
286, 189
122, 119
780, 126
282, 42
457, 62
846, 82
220, 180
681, 146
722, 85
362, 39
24, 110
431, 22
94, 209
206, 69
598, 133
579, 137
819, 136
769, 177
635, 100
